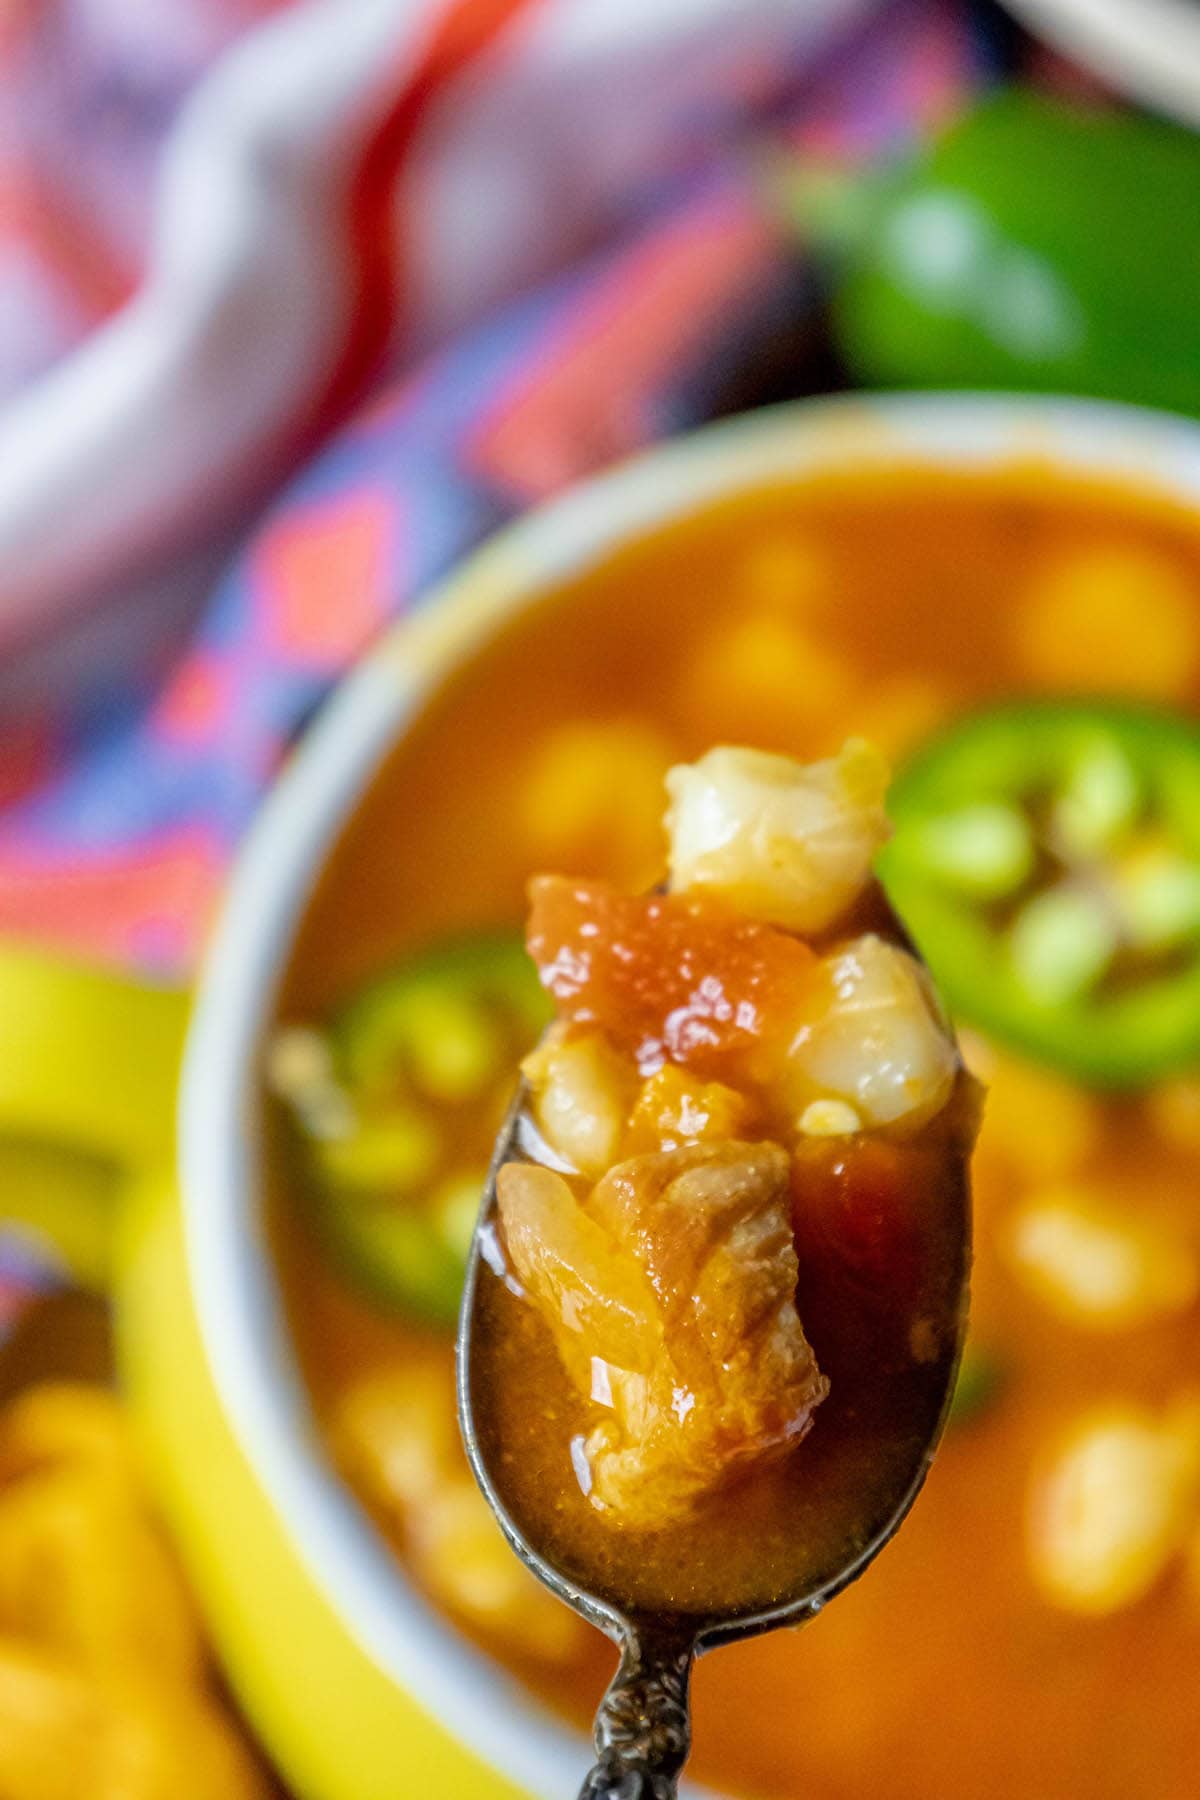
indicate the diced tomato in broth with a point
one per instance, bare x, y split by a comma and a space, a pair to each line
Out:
669, 978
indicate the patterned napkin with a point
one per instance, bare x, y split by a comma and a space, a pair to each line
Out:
473, 249
119, 811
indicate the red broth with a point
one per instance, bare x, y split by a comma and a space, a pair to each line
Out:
882, 604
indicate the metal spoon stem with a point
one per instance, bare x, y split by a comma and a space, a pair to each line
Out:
643, 1726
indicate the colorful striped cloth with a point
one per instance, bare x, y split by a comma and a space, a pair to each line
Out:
120, 811
350, 225
29, 1269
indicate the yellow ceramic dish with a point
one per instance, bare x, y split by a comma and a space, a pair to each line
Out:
90, 1095
336, 1725
87, 1059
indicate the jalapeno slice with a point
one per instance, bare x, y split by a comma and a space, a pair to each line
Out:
393, 1106
1046, 861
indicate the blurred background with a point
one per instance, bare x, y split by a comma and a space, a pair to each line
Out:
300, 300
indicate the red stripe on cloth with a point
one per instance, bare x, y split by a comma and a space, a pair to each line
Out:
17, 20
151, 902
464, 32
95, 276
27, 757
588, 396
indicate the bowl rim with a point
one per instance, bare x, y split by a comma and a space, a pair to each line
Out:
230, 1271
1150, 51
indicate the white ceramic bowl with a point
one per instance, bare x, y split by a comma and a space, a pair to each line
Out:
231, 1278
1148, 49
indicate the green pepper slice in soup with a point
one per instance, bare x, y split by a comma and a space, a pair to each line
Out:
393, 1107
1046, 860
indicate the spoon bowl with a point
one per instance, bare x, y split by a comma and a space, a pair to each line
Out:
642, 1730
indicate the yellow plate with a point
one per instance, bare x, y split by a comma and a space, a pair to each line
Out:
88, 1059
335, 1724
64, 1201
89, 1064
88, 1071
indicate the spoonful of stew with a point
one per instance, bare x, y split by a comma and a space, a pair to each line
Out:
717, 1289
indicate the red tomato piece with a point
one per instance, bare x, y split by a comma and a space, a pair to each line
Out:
668, 977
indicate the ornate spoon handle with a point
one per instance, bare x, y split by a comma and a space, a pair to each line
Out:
643, 1728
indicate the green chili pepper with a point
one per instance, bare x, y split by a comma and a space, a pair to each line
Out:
1037, 245
395, 1105
1046, 860
981, 1381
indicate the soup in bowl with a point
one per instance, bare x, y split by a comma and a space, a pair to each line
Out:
1004, 597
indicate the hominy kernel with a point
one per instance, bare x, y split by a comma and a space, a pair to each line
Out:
1099, 1265
1111, 1509
583, 1090
829, 1118
1074, 627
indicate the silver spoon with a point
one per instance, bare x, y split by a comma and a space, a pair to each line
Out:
643, 1729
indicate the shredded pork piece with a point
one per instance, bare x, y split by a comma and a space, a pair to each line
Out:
670, 1290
